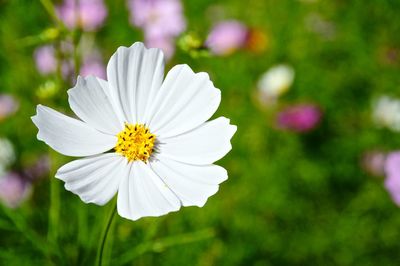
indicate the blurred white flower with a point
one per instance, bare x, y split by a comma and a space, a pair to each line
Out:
163, 148
7, 154
275, 82
386, 113
326, 29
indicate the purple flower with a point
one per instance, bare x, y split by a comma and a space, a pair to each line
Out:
38, 169
86, 14
299, 118
13, 189
93, 66
226, 37
161, 21
8, 105
158, 18
165, 44
392, 170
45, 59
373, 162
92, 61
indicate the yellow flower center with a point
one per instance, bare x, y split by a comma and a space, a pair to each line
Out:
135, 142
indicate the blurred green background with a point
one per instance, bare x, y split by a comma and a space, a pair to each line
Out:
291, 199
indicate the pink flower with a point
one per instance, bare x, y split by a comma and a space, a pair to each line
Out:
299, 118
93, 66
373, 162
392, 170
161, 20
38, 169
86, 14
92, 61
158, 18
8, 105
13, 189
45, 59
165, 44
227, 37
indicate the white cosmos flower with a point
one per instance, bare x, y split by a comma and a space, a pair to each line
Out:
386, 113
143, 138
276, 81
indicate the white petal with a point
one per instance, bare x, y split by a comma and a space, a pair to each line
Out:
136, 74
70, 136
185, 101
203, 145
94, 179
90, 100
192, 184
143, 194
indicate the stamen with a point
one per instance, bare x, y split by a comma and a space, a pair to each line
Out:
135, 142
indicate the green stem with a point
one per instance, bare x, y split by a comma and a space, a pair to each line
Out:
49, 7
100, 250
76, 36
162, 244
83, 226
54, 209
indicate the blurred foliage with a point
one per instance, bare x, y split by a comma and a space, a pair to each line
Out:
291, 199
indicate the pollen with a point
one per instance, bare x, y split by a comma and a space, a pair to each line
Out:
135, 142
